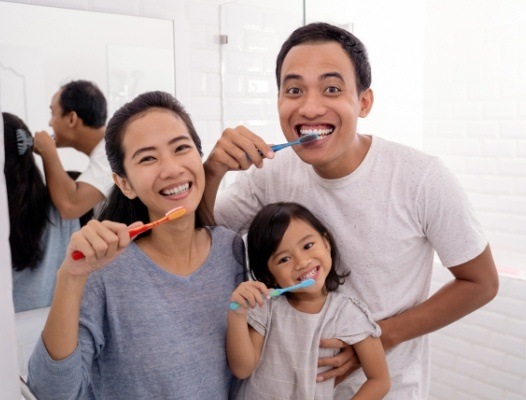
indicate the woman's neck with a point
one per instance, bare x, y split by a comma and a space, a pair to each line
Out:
176, 248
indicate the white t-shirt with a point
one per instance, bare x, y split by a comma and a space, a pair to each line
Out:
98, 174
388, 217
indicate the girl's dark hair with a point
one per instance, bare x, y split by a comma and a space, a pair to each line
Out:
27, 196
266, 232
118, 207
321, 32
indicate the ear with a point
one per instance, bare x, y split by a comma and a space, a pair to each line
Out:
366, 102
73, 119
125, 186
326, 242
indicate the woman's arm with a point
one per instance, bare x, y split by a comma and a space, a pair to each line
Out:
372, 357
100, 242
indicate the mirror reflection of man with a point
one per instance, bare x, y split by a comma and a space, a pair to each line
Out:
78, 118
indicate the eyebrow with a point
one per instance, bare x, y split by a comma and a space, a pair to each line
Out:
327, 75
152, 148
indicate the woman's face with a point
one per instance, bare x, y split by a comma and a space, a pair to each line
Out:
162, 164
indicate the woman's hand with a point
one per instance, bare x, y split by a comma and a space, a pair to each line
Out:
100, 242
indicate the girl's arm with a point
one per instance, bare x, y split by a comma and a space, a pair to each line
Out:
100, 242
372, 357
243, 343
243, 346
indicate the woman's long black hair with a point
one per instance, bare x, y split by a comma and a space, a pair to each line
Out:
27, 196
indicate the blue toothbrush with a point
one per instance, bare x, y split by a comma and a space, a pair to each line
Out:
278, 292
304, 139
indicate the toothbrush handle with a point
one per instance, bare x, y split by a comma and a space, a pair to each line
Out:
273, 293
277, 147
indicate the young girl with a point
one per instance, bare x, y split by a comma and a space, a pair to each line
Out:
275, 343
143, 319
38, 236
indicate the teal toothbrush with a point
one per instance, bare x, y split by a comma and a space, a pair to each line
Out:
278, 292
304, 139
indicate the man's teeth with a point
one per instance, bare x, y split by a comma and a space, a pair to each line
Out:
176, 190
320, 132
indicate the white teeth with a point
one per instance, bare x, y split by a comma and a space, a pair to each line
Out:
309, 275
320, 132
176, 190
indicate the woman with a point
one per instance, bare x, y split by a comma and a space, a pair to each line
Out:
38, 236
143, 318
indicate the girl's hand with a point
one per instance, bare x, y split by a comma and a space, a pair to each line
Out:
100, 242
249, 294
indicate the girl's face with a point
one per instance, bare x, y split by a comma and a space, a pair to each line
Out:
163, 167
303, 253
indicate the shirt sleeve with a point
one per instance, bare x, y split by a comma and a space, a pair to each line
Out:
448, 218
357, 322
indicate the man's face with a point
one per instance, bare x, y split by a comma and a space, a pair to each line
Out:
318, 93
58, 122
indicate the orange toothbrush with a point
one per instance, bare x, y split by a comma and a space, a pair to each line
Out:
174, 213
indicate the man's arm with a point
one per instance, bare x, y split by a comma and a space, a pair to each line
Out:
237, 149
476, 283
72, 199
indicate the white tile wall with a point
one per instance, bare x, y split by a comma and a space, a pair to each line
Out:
471, 114
482, 356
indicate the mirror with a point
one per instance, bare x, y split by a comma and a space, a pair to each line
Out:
124, 56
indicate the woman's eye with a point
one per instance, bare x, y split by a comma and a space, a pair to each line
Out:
146, 159
308, 245
182, 147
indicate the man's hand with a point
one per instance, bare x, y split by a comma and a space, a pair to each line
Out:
344, 363
43, 142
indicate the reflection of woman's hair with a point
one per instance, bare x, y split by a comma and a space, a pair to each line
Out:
27, 195
118, 207
266, 232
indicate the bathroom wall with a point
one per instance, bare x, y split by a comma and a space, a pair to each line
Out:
477, 126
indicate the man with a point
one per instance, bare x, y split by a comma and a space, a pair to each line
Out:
78, 118
390, 207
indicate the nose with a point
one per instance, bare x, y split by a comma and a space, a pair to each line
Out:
303, 263
312, 105
169, 167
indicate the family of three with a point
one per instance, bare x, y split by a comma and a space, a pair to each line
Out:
148, 317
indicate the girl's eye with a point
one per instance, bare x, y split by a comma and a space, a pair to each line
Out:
308, 245
283, 260
333, 90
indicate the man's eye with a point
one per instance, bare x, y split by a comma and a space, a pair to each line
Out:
333, 90
293, 91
